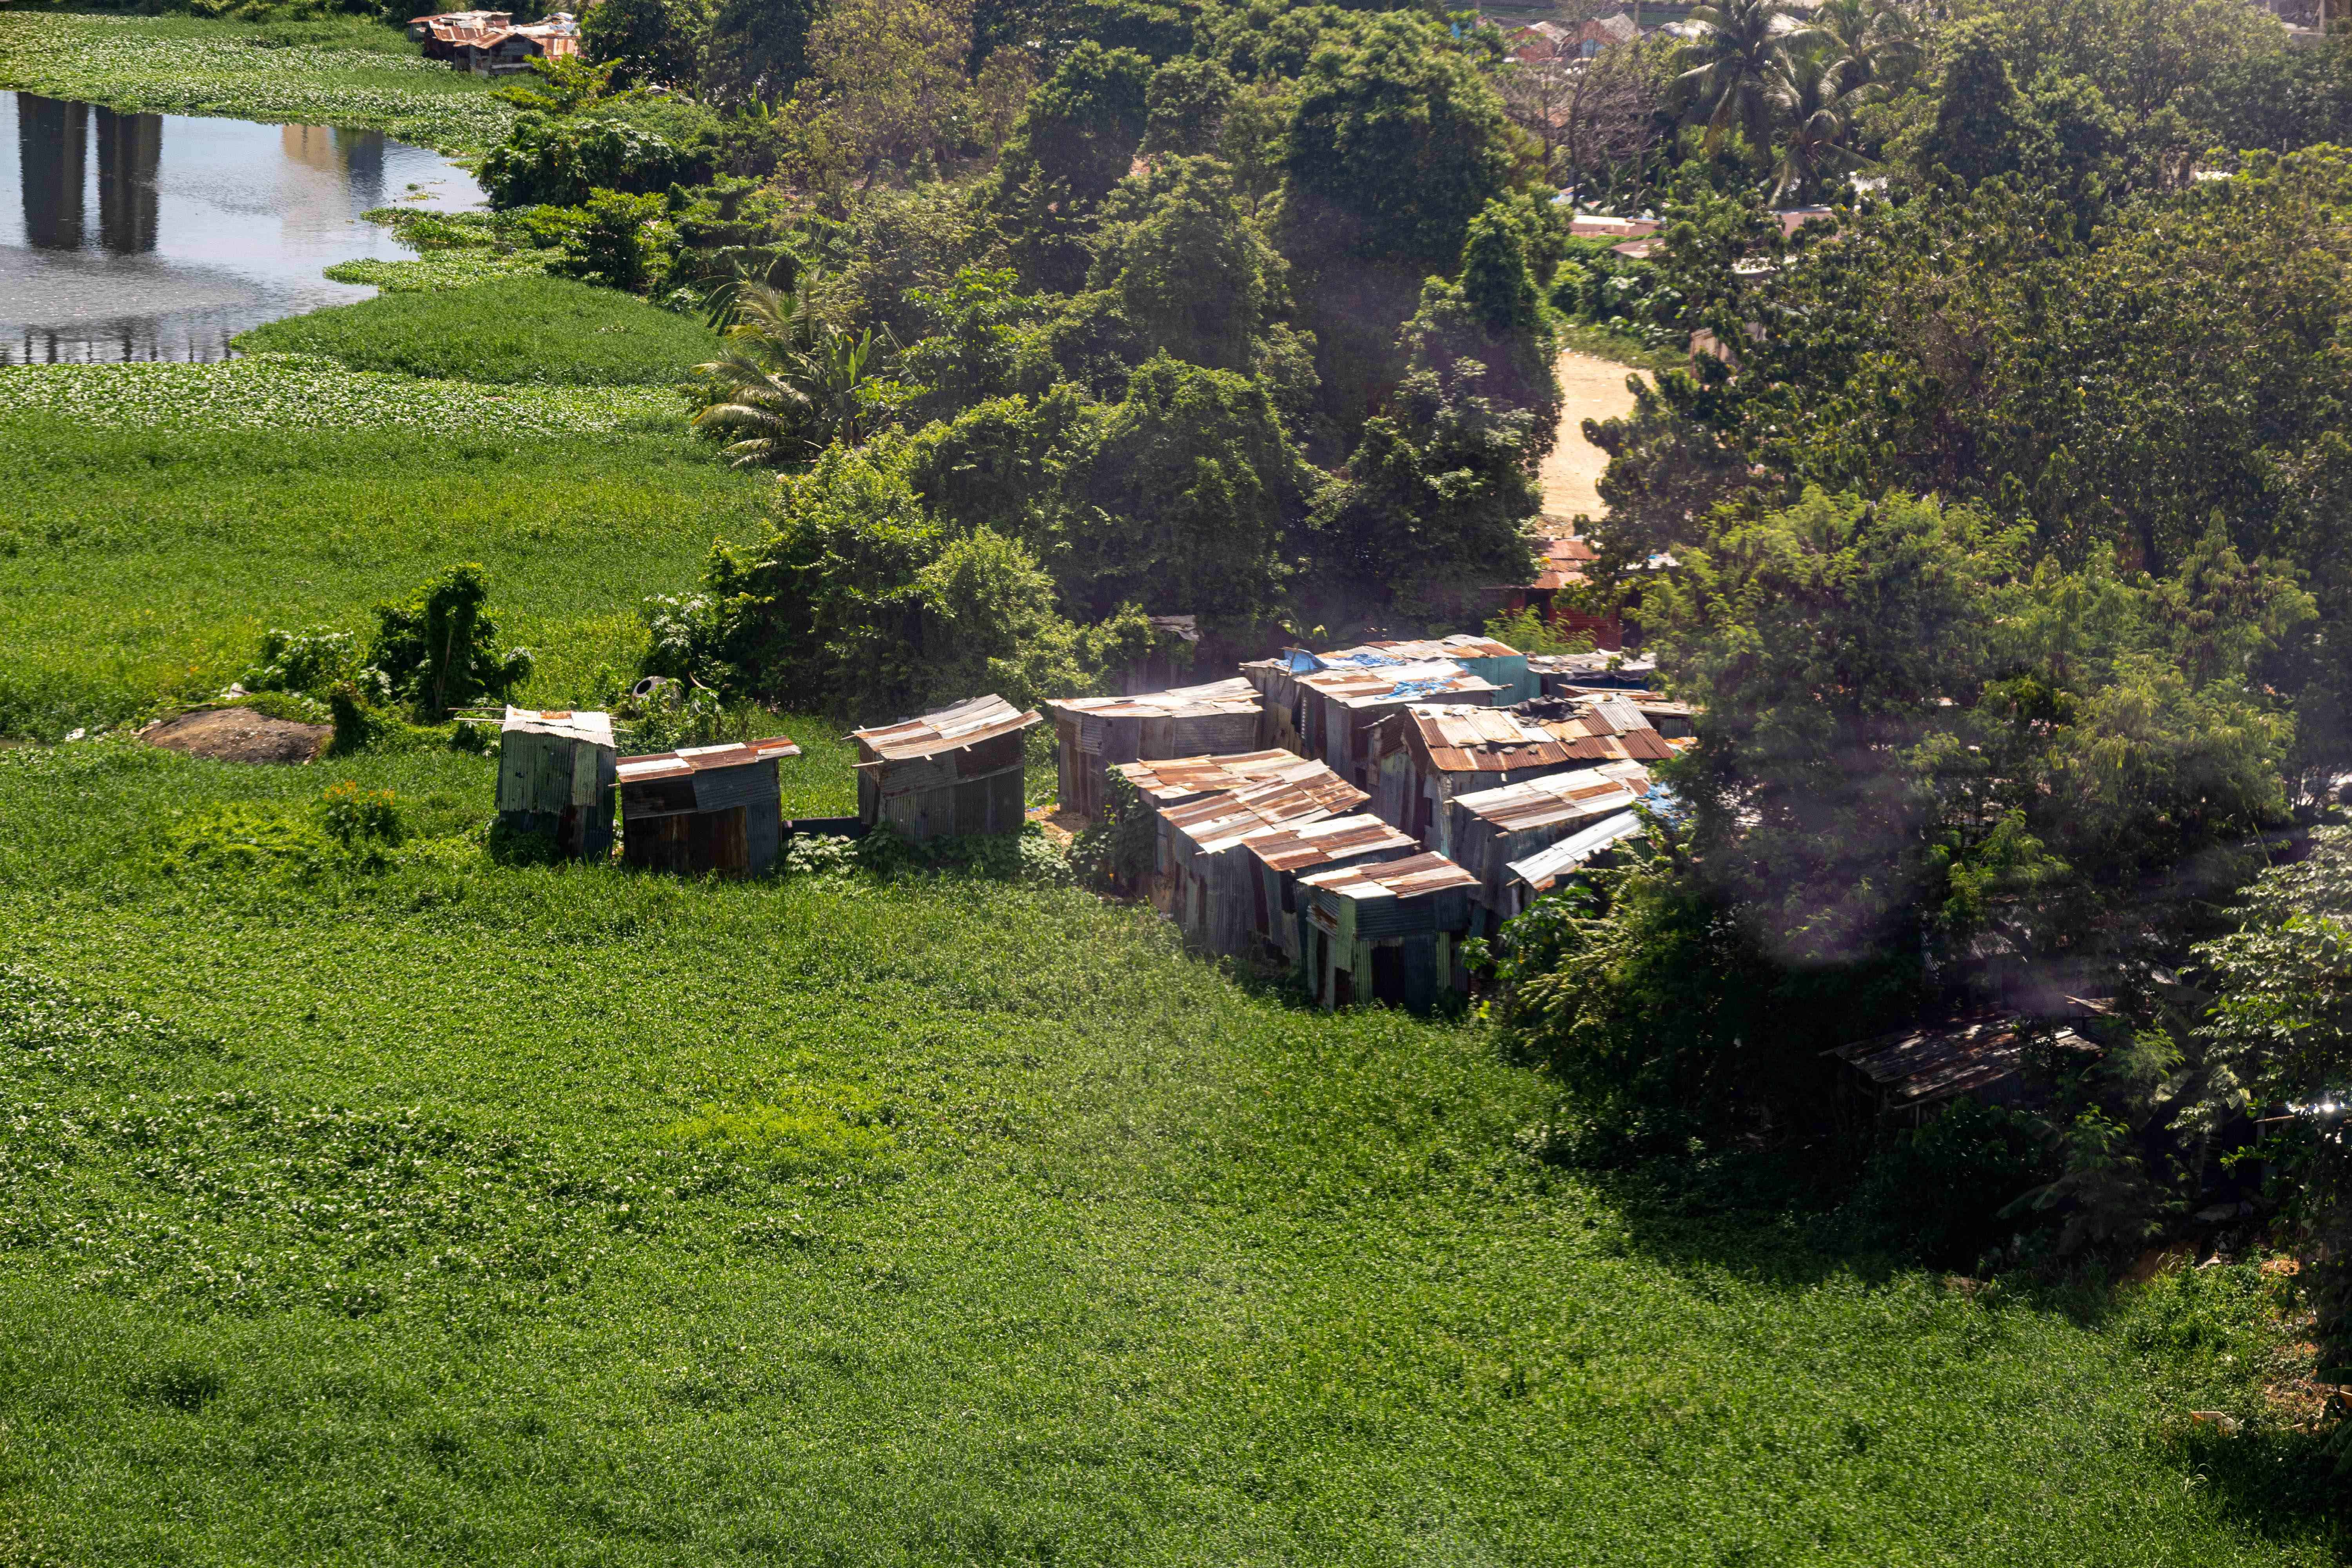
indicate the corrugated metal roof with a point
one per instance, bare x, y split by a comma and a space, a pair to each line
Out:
1595, 663
592, 727
948, 729
1430, 682
1408, 878
1460, 738
1163, 780
1304, 846
1920, 1065
1558, 797
1234, 696
689, 760
1547, 866
1218, 822
1606, 728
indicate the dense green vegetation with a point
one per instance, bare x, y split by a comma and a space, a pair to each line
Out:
508, 330
442, 1209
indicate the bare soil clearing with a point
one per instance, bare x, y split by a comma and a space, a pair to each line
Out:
239, 735
1590, 388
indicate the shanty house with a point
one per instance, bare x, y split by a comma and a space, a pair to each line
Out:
1290, 699
1093, 734
1429, 754
959, 771
1389, 931
1201, 879
704, 808
1337, 708
1572, 674
555, 778
1492, 828
1281, 857
1163, 782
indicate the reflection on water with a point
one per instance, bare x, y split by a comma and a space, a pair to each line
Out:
204, 227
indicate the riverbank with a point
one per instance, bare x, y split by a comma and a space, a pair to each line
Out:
343, 72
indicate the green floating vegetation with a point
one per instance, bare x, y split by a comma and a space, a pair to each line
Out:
345, 72
142, 562
442, 269
282, 392
506, 331
436, 1210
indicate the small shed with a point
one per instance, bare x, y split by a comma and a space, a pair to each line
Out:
1903, 1075
704, 808
1200, 881
1492, 828
1428, 754
1675, 720
1093, 734
1391, 931
958, 771
1287, 853
1548, 870
555, 778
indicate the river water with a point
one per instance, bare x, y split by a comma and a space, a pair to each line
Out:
164, 235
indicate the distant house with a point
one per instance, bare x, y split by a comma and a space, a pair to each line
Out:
1200, 877
1550, 867
1493, 828
1544, 43
704, 808
488, 43
958, 771
1391, 931
1093, 734
1286, 854
1428, 755
555, 778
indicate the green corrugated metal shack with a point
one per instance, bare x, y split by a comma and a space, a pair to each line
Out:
556, 778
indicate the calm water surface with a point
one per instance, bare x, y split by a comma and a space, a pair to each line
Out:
164, 235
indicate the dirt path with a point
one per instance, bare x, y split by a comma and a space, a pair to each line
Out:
1590, 388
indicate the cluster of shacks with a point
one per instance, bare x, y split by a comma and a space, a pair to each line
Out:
1363, 812
1357, 815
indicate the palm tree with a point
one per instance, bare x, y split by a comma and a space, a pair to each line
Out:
791, 383
1728, 51
1867, 41
1806, 93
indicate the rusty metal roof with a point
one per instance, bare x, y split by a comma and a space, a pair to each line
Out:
1558, 797
1408, 878
1165, 780
948, 729
689, 760
1372, 686
1599, 662
1234, 696
1304, 846
1460, 738
1218, 822
596, 729
1606, 729
1922, 1065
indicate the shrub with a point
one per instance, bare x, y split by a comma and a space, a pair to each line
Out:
311, 662
1936, 1193
352, 816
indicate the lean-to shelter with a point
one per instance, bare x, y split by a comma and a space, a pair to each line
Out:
555, 778
958, 771
704, 808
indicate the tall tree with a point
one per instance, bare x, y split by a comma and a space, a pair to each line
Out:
656, 41
1075, 140
1727, 64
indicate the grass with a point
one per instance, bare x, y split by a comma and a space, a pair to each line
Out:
141, 564
343, 71
445, 1211
1583, 337
511, 329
